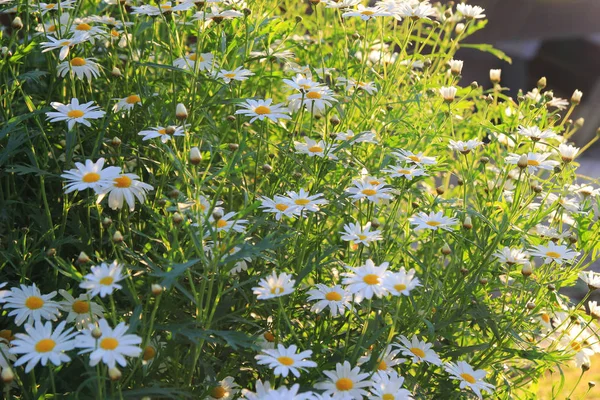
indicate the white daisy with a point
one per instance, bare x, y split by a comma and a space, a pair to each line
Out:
239, 74
470, 12
363, 189
6, 358
80, 310
74, 113
360, 234
553, 252
415, 11
313, 148
226, 389
418, 350
410, 157
388, 386
302, 83
469, 377
164, 133
89, 176
265, 392
362, 137
306, 201
206, 62
336, 298
280, 206
283, 361
63, 44
568, 152
386, 362
111, 347
81, 67
366, 281
535, 133
125, 188
345, 383
433, 221
448, 93
314, 100
227, 222
534, 161
464, 147
29, 304
261, 109
352, 85
366, 13
42, 344
591, 278
401, 282
128, 103
400, 171
512, 256
103, 279
47, 7
274, 286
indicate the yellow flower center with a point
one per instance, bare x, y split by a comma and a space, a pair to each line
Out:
65, 43
362, 237
34, 302
50, 6
45, 345
417, 352
404, 171
134, 98
302, 202
367, 12
81, 307
382, 366
468, 377
166, 7
287, 361
91, 177
75, 114
109, 343
369, 192
114, 33
433, 223
269, 337
52, 28
149, 353
83, 27
218, 392
315, 149
107, 280
229, 75
313, 95
533, 163
194, 57
344, 384
414, 158
553, 254
388, 396
281, 207
333, 296
400, 287
277, 290
371, 279
546, 318
262, 110
123, 181
221, 223
162, 131
576, 346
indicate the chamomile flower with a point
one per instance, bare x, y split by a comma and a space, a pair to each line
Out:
352, 85
410, 157
80, 310
283, 361
29, 304
280, 206
432, 221
226, 389
567, 152
386, 361
306, 201
341, 4
553, 252
239, 74
345, 383
448, 93
103, 279
362, 137
206, 62
125, 188
360, 234
164, 133
401, 282
535, 133
401, 171
41, 344
217, 15
302, 83
366, 281
63, 44
91, 175
336, 298
74, 113
469, 377
418, 350
363, 189
111, 347
47, 7
313, 148
274, 286
591, 279
416, 10
228, 222
314, 100
265, 392
90, 32
366, 13
535, 161
388, 386
512, 256
80, 67
261, 109
470, 12
128, 103
465, 147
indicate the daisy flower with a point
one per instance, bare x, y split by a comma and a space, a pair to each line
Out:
366, 13
81, 28
280, 206
92, 175
217, 15
465, 147
591, 279
433, 221
29, 304
6, 358
385, 362
362, 137
314, 100
410, 157
74, 113
239, 74
341, 4
553, 252
165, 134
42, 344
512, 256
345, 383
448, 93
103, 279
419, 351
302, 83
206, 61
81, 67
125, 188
46, 7
111, 347
363, 189
360, 234
535, 161
352, 84
366, 281
535, 133
274, 286
80, 310
265, 392
262, 391
468, 377
416, 11
128, 103
567, 152
336, 298
388, 386
227, 223
470, 12
313, 148
226, 389
283, 361
401, 282
261, 109
305, 201
399, 171
63, 44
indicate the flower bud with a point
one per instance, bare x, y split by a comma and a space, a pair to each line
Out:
495, 75
195, 156
591, 384
233, 146
181, 112
230, 118
459, 28
96, 333
484, 160
527, 270
116, 72
446, 250
51, 252
149, 353
267, 168
467, 224
83, 258
7, 375
460, 182
541, 83
530, 305
356, 36
551, 287
217, 214
576, 97
170, 130
464, 271
117, 237
156, 289
474, 85
440, 190
177, 218
483, 281
537, 189
246, 11
115, 142
114, 373
335, 120
174, 194
579, 122
106, 222
298, 19
557, 169
523, 161
585, 366
17, 23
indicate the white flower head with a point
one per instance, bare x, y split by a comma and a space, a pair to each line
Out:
432, 221
469, 377
401, 283
125, 188
274, 286
103, 279
111, 347
345, 382
74, 113
336, 298
418, 350
366, 281
91, 175
80, 67
285, 360
553, 252
29, 304
261, 109
80, 310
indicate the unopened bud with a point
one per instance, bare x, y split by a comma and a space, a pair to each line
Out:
106, 222
541, 83
335, 120
459, 28
414, 204
6, 51
579, 122
181, 112
483, 281
7, 375
523, 161
233, 146
527, 270
576, 97
114, 373
298, 19
591, 384
551, 287
537, 188
573, 238
174, 194
375, 223
530, 305
195, 156
440, 190
549, 95
464, 271
96, 333
495, 75
247, 11
356, 36
467, 224
474, 85
230, 118
267, 168
156, 289
51, 252
83, 258
217, 214
170, 130
177, 218
484, 160
446, 250
115, 142
117, 237
17, 23
460, 182
557, 169
585, 366
116, 72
